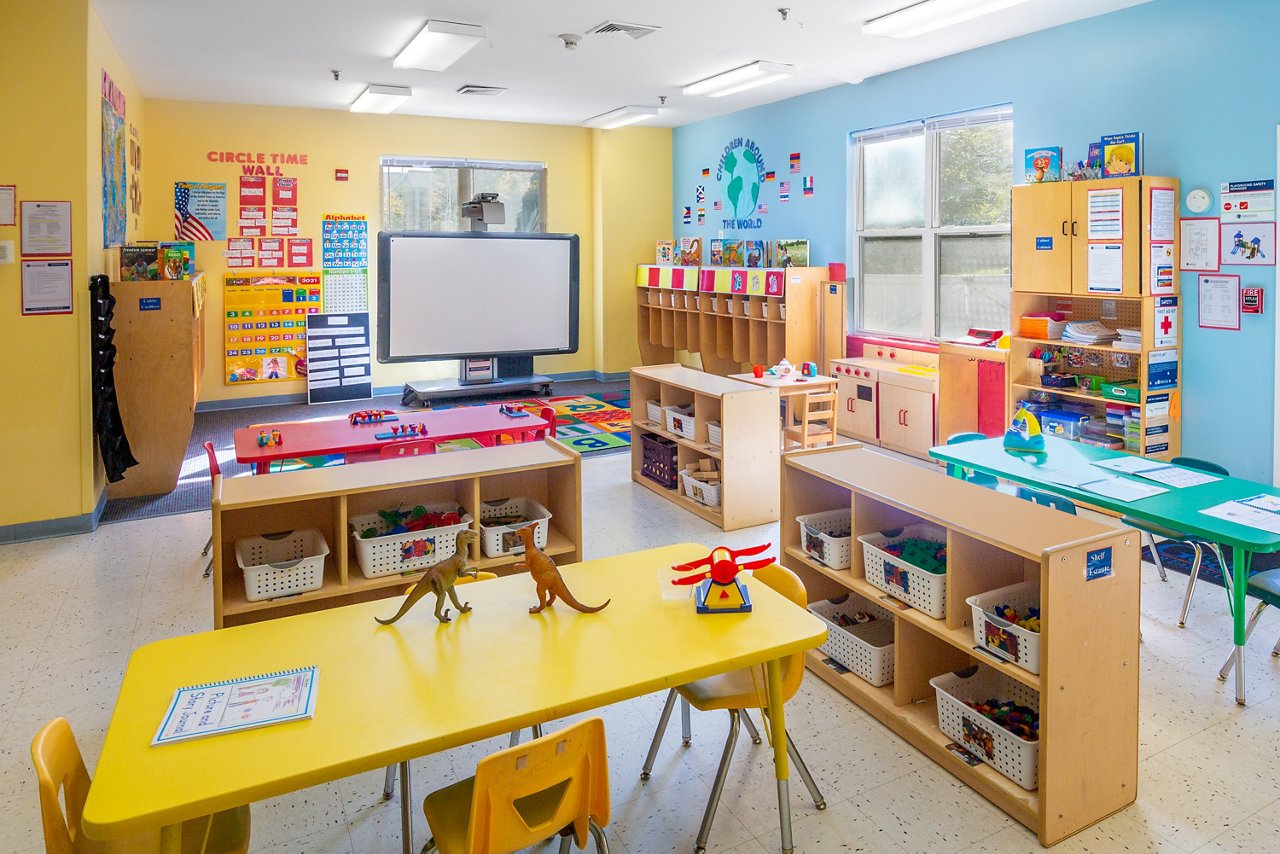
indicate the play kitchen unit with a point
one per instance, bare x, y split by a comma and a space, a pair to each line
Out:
888, 397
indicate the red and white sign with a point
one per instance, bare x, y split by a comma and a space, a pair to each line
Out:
284, 191
340, 175
253, 221
253, 190
1251, 300
299, 251
271, 252
284, 221
240, 252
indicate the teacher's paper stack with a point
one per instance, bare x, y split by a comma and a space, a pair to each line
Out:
1087, 332
1130, 339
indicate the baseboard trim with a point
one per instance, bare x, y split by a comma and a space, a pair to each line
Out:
45, 529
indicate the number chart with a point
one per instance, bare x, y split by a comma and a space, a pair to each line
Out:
265, 325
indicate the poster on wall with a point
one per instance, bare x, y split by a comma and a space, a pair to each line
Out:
253, 190
1199, 236
284, 191
1248, 244
135, 172
284, 221
265, 331
1247, 201
299, 251
253, 221
46, 228
344, 241
241, 252
346, 290
46, 287
1220, 302
199, 211
271, 251
115, 192
339, 357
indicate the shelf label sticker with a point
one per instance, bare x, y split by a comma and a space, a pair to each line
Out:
148, 303
896, 577
1162, 369
1097, 564
1157, 406
1043, 243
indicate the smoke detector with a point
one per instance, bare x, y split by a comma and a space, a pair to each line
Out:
635, 31
472, 89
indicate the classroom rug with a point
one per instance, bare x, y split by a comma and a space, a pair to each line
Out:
1178, 557
590, 424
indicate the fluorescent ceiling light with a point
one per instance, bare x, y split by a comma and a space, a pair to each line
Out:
929, 15
438, 45
381, 99
620, 117
739, 79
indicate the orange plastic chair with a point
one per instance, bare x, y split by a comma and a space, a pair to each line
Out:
64, 779
737, 691
414, 448
522, 795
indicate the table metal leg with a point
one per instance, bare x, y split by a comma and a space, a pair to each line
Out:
406, 810
1239, 590
778, 733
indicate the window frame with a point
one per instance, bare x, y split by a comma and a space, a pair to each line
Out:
932, 233
466, 168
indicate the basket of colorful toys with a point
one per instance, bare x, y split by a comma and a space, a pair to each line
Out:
859, 638
282, 564
826, 537
393, 541
1006, 623
910, 564
499, 521
680, 420
993, 717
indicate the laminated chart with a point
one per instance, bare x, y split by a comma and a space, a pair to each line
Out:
265, 325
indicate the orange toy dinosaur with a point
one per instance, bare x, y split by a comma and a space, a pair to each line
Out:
547, 576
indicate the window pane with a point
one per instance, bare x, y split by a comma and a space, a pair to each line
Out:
891, 292
519, 190
973, 283
893, 183
420, 199
975, 165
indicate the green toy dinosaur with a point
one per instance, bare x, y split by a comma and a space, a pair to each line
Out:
440, 580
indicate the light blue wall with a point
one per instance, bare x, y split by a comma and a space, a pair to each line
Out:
1197, 77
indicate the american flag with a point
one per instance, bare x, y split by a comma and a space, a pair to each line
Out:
186, 225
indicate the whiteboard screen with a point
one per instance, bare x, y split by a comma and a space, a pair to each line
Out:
450, 295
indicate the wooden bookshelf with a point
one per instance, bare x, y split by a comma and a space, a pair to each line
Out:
326, 498
747, 456
1088, 680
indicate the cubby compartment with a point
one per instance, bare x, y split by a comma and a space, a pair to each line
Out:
1014, 639
864, 647
961, 696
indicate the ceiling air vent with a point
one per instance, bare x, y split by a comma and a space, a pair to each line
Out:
609, 28
470, 89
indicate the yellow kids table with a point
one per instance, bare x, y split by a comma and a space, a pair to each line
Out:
388, 694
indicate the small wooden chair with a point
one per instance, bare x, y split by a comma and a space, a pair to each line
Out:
64, 786
817, 423
414, 448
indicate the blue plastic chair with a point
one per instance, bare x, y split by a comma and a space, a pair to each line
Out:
1046, 499
975, 477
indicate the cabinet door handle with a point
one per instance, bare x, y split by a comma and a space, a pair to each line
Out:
904, 418
1064, 228
1073, 228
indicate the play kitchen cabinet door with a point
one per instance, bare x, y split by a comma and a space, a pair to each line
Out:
906, 419
856, 413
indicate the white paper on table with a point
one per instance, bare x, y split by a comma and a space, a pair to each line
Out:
1121, 489
1270, 503
1072, 479
1169, 475
1243, 514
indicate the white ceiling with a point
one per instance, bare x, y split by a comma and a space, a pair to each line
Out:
280, 52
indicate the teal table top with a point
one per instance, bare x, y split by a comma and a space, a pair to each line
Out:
1068, 461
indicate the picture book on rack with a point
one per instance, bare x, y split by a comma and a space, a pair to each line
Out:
733, 253
717, 252
754, 250
1122, 154
1043, 164
237, 704
666, 253
690, 252
791, 253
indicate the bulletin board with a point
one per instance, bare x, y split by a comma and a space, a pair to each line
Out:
265, 325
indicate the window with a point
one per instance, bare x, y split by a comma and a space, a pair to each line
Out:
426, 194
931, 214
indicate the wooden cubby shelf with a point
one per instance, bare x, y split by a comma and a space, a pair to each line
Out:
1088, 679
748, 454
326, 498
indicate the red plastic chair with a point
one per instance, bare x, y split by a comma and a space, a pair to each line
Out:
548, 415
214, 471
407, 449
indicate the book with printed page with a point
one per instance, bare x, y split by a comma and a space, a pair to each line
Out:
666, 252
1122, 154
791, 253
1044, 165
717, 252
754, 250
236, 704
733, 253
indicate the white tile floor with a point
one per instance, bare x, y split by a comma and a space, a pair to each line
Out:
72, 609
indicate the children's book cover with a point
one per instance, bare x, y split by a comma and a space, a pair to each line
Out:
717, 252
1044, 164
178, 258
754, 250
690, 252
1122, 154
791, 253
140, 262
666, 252
733, 253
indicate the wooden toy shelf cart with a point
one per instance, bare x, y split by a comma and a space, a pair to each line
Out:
1088, 679
326, 498
747, 455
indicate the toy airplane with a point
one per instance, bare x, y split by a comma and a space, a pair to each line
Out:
719, 591
1024, 434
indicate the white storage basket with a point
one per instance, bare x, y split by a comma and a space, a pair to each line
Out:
282, 564
922, 590
1012, 756
714, 436
703, 493
827, 536
680, 421
1000, 637
654, 410
865, 648
388, 554
499, 540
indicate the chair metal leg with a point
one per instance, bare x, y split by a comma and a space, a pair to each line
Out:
686, 731
667, 708
514, 739
537, 730
751, 727
597, 833
1155, 556
429, 847
1248, 630
803, 770
389, 785
1191, 583
717, 788
406, 810
208, 569
565, 842
207, 546
1275, 650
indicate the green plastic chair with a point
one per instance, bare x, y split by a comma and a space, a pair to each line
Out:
1265, 587
975, 477
1046, 499
1150, 531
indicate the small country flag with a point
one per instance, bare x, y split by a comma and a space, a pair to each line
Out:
706, 170
702, 216
795, 161
808, 185
764, 209
700, 193
687, 215
784, 191
717, 205
770, 176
